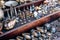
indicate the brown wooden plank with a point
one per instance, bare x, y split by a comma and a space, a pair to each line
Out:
28, 26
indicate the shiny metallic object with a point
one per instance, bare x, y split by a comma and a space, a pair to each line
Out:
10, 25
53, 30
40, 29
9, 3
15, 12
11, 11
48, 26
35, 34
35, 14
26, 35
2, 13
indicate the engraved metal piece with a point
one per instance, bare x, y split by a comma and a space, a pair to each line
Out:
26, 35
10, 25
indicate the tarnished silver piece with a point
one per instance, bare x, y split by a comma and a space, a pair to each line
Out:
40, 29
44, 36
9, 3
45, 30
40, 13
49, 34
10, 25
26, 35
48, 26
16, 12
2, 13
35, 33
35, 14
8, 15
11, 11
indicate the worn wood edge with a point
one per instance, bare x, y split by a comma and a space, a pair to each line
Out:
30, 25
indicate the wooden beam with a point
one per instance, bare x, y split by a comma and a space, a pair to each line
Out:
30, 25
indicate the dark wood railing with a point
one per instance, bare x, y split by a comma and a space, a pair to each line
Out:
21, 29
